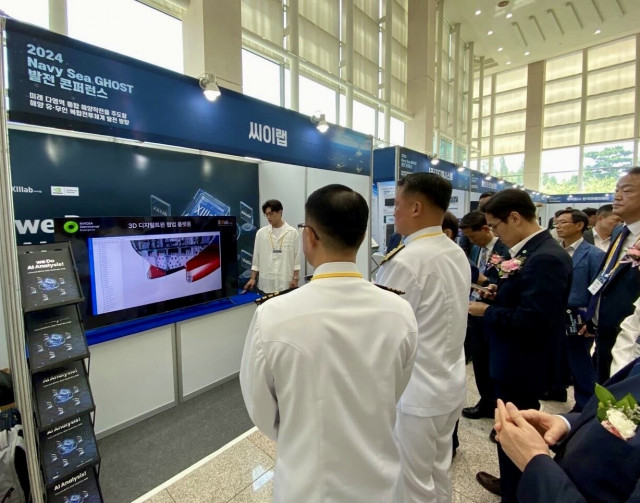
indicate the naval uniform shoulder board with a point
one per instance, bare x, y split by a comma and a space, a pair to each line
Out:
268, 296
392, 253
389, 289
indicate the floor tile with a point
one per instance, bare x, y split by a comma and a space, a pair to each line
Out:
265, 443
260, 491
223, 477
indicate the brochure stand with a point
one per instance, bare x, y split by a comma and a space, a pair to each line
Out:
57, 351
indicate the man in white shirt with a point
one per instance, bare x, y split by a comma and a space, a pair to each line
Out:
600, 234
276, 253
436, 276
324, 366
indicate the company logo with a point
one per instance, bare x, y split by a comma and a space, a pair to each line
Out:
65, 191
25, 190
70, 227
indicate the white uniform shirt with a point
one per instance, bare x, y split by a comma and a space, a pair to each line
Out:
627, 347
436, 276
322, 370
275, 258
601, 243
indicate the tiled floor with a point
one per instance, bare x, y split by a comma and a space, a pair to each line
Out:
242, 471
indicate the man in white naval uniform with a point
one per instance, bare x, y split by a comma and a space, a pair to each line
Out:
436, 276
276, 253
324, 366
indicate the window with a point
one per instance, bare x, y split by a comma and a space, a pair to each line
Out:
314, 97
604, 164
34, 12
130, 28
509, 167
560, 169
260, 78
364, 118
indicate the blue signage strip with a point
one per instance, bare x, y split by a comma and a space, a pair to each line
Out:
63, 83
415, 162
602, 198
384, 164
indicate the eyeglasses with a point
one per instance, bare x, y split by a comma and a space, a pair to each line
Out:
494, 227
315, 234
563, 222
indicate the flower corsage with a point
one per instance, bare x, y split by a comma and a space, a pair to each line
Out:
619, 417
506, 267
632, 255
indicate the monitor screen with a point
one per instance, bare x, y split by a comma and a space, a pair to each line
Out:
132, 267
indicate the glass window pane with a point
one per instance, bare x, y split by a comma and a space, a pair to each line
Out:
563, 90
343, 110
561, 136
446, 150
508, 144
509, 123
616, 128
364, 118
511, 79
260, 78
32, 11
612, 53
560, 183
571, 64
563, 159
287, 88
314, 97
604, 164
611, 80
562, 113
509, 167
514, 100
611, 105
130, 28
397, 132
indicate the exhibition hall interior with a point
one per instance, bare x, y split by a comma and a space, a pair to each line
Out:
143, 144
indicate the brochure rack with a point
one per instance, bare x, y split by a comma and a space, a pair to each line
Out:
57, 351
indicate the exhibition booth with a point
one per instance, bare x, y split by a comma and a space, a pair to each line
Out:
158, 191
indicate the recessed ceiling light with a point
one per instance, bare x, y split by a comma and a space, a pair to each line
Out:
490, 32
509, 16
478, 12
508, 62
597, 32
527, 53
500, 49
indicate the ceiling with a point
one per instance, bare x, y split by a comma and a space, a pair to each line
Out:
543, 28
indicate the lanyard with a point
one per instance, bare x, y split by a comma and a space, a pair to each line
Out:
337, 275
610, 258
281, 240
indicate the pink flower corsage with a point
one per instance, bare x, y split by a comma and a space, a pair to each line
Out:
632, 256
505, 267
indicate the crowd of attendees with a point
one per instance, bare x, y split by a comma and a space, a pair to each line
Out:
362, 387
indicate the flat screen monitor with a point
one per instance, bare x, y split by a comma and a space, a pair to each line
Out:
133, 267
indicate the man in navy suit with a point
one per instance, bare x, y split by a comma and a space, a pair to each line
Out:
525, 323
586, 263
485, 244
592, 464
617, 285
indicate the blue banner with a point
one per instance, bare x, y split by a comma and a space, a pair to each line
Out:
384, 164
602, 198
480, 184
63, 83
411, 161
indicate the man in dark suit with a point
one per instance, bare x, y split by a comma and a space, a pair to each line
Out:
600, 234
485, 244
592, 464
525, 324
617, 285
464, 243
586, 262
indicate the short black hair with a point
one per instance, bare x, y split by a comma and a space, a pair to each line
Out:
450, 222
274, 204
504, 202
436, 189
577, 217
633, 171
339, 215
560, 212
590, 211
605, 210
474, 220
484, 195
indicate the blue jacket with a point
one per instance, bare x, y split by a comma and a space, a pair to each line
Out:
594, 465
586, 264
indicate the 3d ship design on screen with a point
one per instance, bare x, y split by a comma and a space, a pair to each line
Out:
199, 256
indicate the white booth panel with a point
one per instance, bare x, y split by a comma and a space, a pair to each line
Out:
4, 349
317, 178
210, 347
132, 377
286, 183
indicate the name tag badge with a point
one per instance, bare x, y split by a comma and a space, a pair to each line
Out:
277, 251
597, 284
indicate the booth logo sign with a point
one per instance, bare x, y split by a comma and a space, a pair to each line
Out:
25, 190
267, 134
70, 227
65, 191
